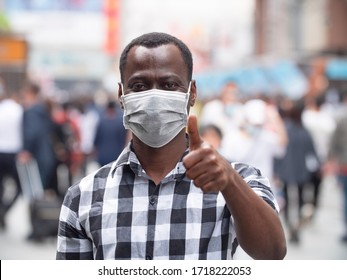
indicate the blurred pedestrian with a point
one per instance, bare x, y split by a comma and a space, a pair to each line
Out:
67, 144
223, 111
338, 157
88, 120
212, 134
261, 137
294, 169
10, 144
38, 130
321, 124
110, 136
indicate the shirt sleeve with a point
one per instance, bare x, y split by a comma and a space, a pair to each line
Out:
73, 242
259, 184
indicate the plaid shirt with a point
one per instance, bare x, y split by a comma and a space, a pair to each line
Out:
119, 213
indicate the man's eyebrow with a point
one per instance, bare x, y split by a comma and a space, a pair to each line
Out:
168, 76
144, 78
175, 77
139, 77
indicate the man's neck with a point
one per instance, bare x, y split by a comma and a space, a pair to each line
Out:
158, 162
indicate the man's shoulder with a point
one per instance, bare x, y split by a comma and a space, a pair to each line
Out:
244, 169
251, 174
83, 190
92, 180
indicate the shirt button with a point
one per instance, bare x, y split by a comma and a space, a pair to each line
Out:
148, 257
152, 201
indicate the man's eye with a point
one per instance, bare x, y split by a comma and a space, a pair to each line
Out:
170, 86
138, 87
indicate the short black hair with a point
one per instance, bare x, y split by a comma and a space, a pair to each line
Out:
153, 40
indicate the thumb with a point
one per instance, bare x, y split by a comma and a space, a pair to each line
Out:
193, 132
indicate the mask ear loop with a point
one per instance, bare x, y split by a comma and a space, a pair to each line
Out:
189, 87
187, 100
122, 98
188, 96
121, 84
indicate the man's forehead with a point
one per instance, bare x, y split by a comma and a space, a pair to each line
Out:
160, 53
162, 58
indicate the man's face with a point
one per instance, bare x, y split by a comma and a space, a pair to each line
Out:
161, 68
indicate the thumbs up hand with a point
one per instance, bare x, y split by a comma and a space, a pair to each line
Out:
204, 165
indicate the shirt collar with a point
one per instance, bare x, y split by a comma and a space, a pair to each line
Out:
129, 158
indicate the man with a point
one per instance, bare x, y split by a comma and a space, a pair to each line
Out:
321, 125
260, 139
337, 158
225, 111
38, 132
110, 135
169, 195
10, 144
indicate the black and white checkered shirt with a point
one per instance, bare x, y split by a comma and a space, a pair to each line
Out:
119, 213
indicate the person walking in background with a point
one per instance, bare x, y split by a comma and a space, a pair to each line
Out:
212, 134
88, 120
261, 137
294, 169
169, 195
110, 136
38, 130
338, 158
67, 146
11, 114
321, 124
224, 111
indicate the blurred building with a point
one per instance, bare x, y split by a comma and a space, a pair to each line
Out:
300, 47
80, 40
311, 32
264, 46
13, 60
292, 26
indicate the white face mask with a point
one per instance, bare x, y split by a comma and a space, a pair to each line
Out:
155, 116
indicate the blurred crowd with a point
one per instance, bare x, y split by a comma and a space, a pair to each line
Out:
294, 143
61, 137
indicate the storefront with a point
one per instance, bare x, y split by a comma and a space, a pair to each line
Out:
13, 60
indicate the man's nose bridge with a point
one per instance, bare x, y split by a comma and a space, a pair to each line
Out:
155, 79
155, 86
155, 83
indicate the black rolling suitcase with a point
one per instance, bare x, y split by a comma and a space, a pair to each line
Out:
44, 209
44, 216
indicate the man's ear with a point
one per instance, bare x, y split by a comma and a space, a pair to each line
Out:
193, 93
120, 92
